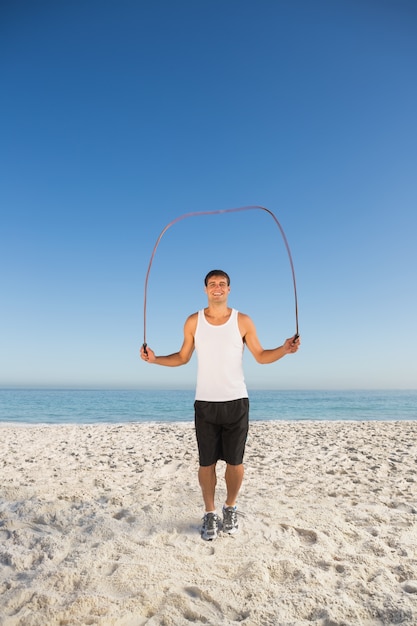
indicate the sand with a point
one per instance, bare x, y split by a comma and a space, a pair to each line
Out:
99, 524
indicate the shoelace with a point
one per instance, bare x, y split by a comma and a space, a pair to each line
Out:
230, 516
211, 521
238, 512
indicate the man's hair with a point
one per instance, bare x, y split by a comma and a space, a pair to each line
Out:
216, 273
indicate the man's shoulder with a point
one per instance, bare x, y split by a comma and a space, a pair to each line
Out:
245, 322
192, 319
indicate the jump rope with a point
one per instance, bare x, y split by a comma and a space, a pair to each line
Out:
218, 212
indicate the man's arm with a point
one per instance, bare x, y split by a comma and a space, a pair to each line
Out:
177, 358
250, 337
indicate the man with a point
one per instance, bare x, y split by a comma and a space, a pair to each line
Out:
219, 333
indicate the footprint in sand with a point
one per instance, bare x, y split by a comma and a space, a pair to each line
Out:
124, 514
308, 537
201, 604
4, 535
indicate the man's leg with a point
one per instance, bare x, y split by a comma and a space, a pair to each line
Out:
208, 479
234, 479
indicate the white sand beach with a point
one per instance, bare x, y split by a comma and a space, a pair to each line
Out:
100, 525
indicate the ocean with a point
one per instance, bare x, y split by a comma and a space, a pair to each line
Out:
82, 406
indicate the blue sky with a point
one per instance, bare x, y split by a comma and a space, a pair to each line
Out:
118, 117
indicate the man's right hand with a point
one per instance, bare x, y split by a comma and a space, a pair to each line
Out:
147, 354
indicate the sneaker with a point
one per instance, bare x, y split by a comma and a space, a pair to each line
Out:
210, 526
230, 523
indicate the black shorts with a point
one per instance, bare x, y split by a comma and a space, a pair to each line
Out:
221, 429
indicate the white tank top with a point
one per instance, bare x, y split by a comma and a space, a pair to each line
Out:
219, 354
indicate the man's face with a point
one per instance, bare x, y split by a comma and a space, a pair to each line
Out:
217, 288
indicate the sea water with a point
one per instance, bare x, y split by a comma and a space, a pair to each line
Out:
82, 406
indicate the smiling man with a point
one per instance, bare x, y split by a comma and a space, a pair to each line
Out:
218, 334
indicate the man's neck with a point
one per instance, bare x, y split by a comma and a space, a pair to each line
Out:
217, 312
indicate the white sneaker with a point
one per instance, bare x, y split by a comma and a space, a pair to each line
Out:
230, 523
210, 527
